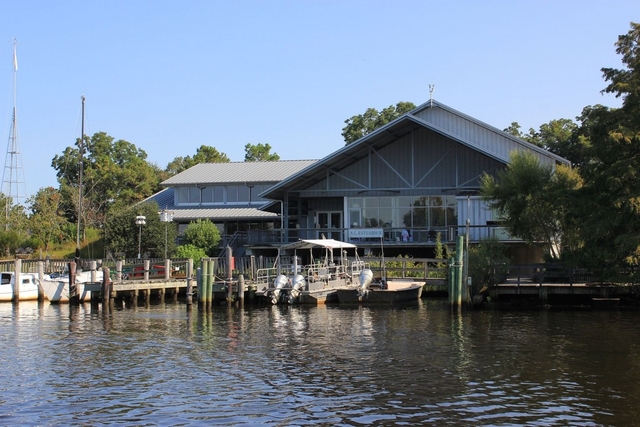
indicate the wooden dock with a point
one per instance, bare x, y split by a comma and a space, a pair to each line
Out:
562, 294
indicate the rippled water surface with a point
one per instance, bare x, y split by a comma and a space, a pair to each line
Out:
274, 366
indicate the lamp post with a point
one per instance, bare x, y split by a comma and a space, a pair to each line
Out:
166, 217
140, 221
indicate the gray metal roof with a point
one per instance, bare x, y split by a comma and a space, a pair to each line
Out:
238, 172
388, 133
165, 199
220, 214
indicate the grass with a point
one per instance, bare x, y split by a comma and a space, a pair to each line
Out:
91, 247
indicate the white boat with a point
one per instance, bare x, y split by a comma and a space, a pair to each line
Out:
28, 290
318, 280
56, 286
384, 292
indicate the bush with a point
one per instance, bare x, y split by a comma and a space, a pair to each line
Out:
203, 234
488, 264
190, 251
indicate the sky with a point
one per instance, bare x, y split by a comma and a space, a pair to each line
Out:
172, 75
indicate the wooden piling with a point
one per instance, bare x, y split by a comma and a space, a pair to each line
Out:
106, 286
241, 290
119, 264
40, 278
73, 287
202, 285
16, 280
93, 265
189, 284
210, 280
229, 284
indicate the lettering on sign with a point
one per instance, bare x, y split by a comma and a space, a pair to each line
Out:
365, 233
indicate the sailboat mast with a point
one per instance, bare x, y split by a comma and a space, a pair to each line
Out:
80, 167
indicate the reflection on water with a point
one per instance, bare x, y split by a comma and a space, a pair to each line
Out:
289, 365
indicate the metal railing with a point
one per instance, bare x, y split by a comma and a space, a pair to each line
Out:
389, 235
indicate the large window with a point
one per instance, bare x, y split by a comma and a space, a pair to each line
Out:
403, 211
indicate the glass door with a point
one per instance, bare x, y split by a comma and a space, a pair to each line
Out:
330, 225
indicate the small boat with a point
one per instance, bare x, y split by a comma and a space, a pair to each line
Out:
28, 290
317, 281
382, 292
56, 286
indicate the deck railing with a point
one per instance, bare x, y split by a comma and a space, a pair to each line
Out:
388, 235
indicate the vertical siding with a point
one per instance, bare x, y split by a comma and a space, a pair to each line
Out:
423, 160
484, 138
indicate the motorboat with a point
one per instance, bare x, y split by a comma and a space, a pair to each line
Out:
317, 281
56, 285
380, 292
28, 290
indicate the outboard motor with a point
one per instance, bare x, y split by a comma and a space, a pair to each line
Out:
299, 284
366, 277
279, 283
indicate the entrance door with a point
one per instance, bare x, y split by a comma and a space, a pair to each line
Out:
330, 224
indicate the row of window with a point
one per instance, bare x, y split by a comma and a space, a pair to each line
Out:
220, 194
402, 211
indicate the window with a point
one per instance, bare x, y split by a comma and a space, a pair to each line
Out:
218, 194
232, 194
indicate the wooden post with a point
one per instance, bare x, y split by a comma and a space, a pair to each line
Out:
119, 270
229, 292
241, 290
189, 285
210, 281
167, 269
202, 283
73, 287
17, 280
40, 278
229, 264
93, 265
106, 286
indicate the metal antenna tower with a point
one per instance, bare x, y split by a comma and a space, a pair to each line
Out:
432, 88
13, 183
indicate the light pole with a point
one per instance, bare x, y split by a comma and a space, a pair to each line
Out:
166, 217
140, 221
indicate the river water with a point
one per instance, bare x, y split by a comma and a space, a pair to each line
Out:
160, 365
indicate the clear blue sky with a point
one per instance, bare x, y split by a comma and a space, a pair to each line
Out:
170, 76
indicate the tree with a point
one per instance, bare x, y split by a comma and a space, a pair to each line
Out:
609, 207
259, 153
122, 232
532, 200
47, 220
203, 234
112, 170
204, 154
15, 216
363, 124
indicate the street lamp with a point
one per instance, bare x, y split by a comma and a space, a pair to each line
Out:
140, 221
166, 217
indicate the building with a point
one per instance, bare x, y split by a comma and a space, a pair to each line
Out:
404, 185
228, 195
